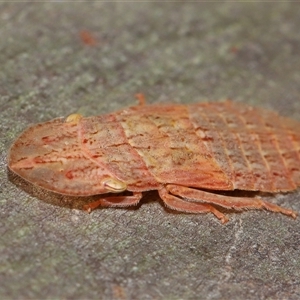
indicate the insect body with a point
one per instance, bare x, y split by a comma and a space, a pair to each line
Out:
186, 152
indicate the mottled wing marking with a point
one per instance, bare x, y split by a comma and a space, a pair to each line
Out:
255, 148
267, 135
211, 138
225, 145
290, 146
103, 140
288, 142
166, 140
250, 149
260, 178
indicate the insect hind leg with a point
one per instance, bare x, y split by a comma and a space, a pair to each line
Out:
118, 201
236, 203
182, 205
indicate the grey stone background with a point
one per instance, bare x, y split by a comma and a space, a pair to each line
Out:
177, 52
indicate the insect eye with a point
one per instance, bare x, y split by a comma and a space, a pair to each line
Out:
73, 118
114, 185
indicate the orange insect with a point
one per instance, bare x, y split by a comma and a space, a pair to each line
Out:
186, 152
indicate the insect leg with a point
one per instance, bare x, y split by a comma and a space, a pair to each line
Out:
178, 204
141, 98
237, 203
119, 201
